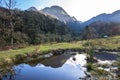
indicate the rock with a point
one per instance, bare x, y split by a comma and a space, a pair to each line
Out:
73, 53
47, 55
74, 59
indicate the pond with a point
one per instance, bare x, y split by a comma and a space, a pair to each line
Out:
60, 67
108, 60
66, 66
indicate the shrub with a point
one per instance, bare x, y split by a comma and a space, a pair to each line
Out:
90, 67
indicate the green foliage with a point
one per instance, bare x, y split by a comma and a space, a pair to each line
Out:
95, 71
19, 57
88, 44
99, 72
89, 33
44, 48
90, 67
119, 66
31, 27
106, 28
91, 54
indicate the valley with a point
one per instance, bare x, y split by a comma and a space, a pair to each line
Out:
48, 43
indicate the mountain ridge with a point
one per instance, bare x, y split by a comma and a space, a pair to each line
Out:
32, 9
63, 16
112, 17
58, 12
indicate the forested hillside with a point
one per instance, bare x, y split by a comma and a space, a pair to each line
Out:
106, 28
35, 27
31, 27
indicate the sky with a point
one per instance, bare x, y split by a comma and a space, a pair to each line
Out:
82, 10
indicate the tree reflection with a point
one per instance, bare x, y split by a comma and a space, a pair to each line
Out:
7, 74
10, 72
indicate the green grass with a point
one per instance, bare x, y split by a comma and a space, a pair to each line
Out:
107, 43
41, 48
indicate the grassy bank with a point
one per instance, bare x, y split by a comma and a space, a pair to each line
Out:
107, 43
39, 48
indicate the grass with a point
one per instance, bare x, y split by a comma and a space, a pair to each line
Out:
41, 48
107, 43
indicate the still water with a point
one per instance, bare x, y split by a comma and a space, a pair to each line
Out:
62, 67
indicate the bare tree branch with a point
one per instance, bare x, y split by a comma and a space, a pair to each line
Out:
0, 1
10, 5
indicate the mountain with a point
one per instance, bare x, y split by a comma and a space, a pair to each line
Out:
32, 27
32, 9
58, 12
113, 17
63, 16
106, 28
105, 24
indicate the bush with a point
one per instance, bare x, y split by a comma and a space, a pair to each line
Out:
19, 57
90, 67
100, 72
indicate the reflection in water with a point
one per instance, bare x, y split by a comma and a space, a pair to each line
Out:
56, 61
104, 56
61, 67
8, 75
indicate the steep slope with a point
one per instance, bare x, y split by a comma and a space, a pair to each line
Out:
32, 27
32, 9
63, 16
58, 12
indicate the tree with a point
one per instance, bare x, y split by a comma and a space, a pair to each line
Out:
10, 5
30, 27
0, 1
89, 33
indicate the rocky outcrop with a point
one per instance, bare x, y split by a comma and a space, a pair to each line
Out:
59, 12
32, 9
